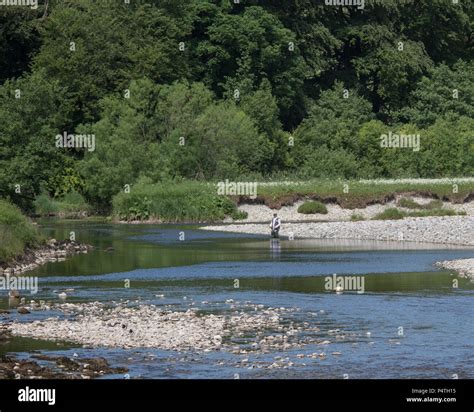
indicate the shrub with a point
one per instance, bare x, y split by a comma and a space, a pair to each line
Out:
73, 203
389, 214
356, 217
174, 202
70, 205
312, 207
394, 213
411, 204
16, 232
45, 206
239, 215
433, 212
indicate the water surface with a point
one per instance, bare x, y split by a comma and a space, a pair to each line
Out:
410, 322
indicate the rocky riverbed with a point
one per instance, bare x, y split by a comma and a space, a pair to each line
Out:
249, 326
52, 251
454, 230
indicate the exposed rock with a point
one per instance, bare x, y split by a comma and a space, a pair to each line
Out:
465, 267
61, 367
148, 326
52, 251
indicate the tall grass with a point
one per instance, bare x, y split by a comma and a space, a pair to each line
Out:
174, 202
72, 204
16, 232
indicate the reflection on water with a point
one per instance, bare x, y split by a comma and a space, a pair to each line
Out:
402, 289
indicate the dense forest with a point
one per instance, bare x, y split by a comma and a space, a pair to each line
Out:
176, 90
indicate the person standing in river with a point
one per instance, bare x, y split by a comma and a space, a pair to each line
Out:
275, 226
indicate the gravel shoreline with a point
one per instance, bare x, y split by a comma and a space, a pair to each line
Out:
454, 230
465, 267
262, 213
52, 251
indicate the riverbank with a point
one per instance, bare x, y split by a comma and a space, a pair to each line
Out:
455, 230
198, 202
43, 366
262, 213
465, 267
52, 251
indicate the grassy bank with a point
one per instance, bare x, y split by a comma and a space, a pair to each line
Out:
16, 232
360, 193
192, 201
172, 202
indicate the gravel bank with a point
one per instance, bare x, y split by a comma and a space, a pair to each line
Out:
465, 267
148, 326
456, 230
262, 213
52, 251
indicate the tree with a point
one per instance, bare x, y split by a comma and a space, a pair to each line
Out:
248, 47
31, 115
95, 48
19, 40
444, 90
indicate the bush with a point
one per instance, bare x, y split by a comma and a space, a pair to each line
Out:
174, 202
72, 204
45, 206
433, 212
394, 213
239, 215
411, 204
312, 207
16, 232
390, 214
356, 218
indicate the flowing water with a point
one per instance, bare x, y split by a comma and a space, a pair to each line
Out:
410, 322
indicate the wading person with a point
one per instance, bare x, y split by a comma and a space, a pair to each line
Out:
275, 226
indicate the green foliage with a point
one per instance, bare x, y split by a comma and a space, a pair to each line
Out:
28, 126
312, 207
390, 214
242, 49
114, 43
323, 162
72, 204
333, 121
239, 215
443, 91
411, 204
16, 232
19, 39
356, 217
394, 213
361, 193
170, 202
45, 206
210, 89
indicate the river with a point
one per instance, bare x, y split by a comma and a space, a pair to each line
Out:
409, 322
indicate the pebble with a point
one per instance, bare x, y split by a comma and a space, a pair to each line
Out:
456, 230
